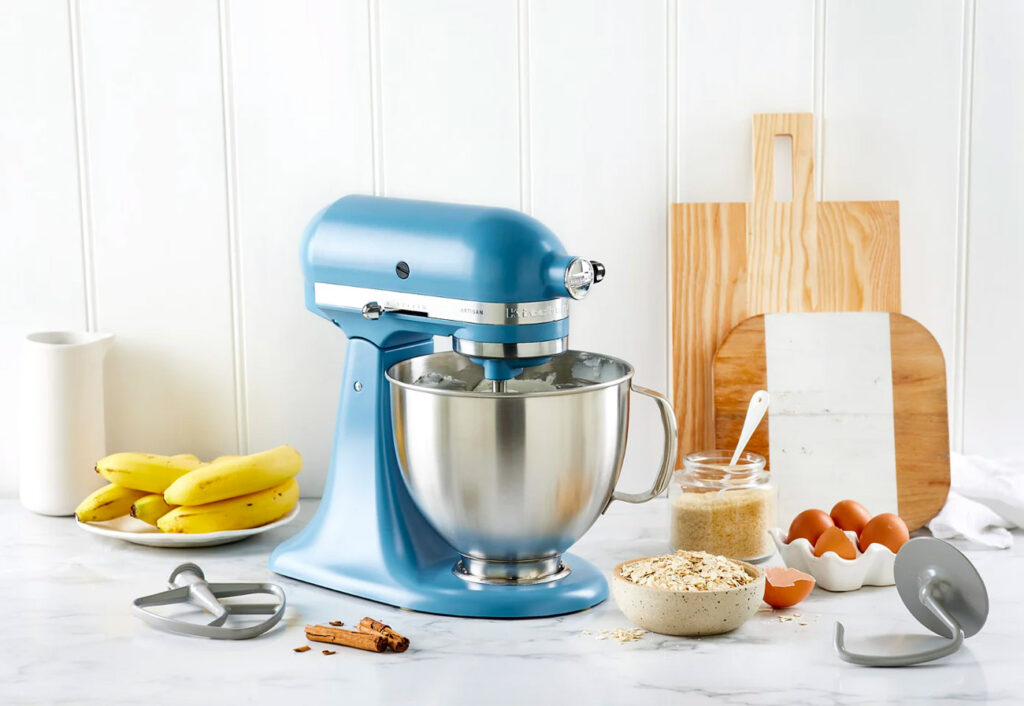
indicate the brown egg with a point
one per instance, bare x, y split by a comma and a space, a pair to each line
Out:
835, 540
887, 529
850, 515
809, 524
786, 587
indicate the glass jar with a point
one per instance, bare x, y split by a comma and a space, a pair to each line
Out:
723, 509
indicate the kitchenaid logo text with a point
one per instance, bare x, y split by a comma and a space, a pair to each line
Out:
524, 312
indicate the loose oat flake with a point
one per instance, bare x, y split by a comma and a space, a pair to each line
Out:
620, 634
687, 571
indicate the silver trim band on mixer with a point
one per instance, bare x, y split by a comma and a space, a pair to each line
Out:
511, 573
340, 296
510, 351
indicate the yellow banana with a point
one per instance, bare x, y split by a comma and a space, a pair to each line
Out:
232, 477
226, 457
150, 508
252, 510
147, 472
108, 502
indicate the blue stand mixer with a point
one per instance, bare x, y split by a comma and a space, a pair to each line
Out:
458, 479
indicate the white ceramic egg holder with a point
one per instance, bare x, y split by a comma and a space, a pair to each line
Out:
873, 567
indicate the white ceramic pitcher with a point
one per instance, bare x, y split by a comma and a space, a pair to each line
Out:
62, 426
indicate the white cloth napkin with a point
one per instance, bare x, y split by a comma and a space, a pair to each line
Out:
986, 500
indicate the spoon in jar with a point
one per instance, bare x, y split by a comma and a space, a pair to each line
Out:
755, 413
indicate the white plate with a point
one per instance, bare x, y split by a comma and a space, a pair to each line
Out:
138, 532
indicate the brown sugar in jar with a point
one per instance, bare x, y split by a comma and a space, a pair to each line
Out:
723, 509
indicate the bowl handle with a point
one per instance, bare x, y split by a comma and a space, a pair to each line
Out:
668, 454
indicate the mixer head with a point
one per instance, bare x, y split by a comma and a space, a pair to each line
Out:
395, 271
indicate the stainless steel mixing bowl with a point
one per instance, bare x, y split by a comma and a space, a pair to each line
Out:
512, 479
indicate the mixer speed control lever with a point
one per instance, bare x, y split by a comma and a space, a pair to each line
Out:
372, 311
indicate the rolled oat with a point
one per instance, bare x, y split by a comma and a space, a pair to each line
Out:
687, 571
620, 634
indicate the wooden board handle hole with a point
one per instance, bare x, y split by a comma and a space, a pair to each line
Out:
782, 172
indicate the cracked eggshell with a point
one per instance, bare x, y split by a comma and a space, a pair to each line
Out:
871, 568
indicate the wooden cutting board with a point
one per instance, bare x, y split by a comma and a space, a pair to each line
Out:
858, 409
734, 260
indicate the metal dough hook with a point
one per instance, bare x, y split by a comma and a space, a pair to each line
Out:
188, 585
942, 589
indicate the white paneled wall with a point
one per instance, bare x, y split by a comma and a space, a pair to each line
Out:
584, 136
156, 223
449, 100
160, 158
892, 131
992, 367
297, 78
736, 58
41, 273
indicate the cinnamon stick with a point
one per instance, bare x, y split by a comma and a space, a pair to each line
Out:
396, 642
371, 642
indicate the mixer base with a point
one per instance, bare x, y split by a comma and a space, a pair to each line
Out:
436, 589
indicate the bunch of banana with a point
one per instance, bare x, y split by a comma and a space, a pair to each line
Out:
183, 494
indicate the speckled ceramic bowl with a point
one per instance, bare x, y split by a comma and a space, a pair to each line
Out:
690, 613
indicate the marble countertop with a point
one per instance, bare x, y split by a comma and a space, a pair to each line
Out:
69, 636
